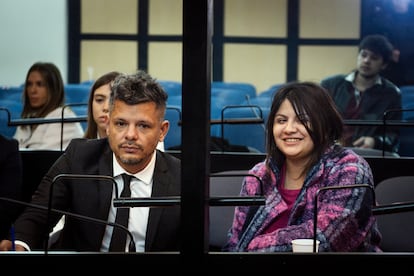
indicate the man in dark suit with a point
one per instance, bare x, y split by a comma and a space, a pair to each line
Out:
136, 125
10, 182
364, 94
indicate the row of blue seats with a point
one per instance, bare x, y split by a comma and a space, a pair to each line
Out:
75, 93
236, 134
231, 100
222, 94
79, 92
250, 106
242, 125
233, 133
11, 107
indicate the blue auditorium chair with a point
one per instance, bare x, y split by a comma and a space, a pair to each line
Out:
14, 109
276, 86
81, 110
173, 138
230, 95
173, 88
407, 133
11, 93
77, 93
224, 96
244, 87
220, 98
88, 82
270, 91
263, 102
4, 119
175, 100
251, 135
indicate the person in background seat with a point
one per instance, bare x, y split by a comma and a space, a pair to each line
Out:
98, 106
364, 95
44, 97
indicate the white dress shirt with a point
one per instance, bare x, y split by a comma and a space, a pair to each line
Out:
141, 186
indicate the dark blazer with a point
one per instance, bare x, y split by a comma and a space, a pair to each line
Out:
93, 198
374, 102
10, 182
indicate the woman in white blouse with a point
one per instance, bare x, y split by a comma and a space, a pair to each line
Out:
44, 97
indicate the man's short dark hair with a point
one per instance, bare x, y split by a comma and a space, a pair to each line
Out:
378, 44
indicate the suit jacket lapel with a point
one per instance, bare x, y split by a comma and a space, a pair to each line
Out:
105, 191
159, 188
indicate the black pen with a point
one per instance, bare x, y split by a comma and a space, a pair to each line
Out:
13, 240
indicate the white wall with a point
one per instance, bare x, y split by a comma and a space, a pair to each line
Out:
31, 31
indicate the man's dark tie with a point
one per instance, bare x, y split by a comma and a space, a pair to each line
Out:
118, 241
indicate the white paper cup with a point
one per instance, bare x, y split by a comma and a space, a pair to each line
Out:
304, 245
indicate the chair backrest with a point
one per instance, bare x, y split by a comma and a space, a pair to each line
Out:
270, 92
223, 185
367, 152
221, 217
12, 109
173, 138
175, 100
406, 133
223, 96
11, 93
263, 102
77, 93
236, 133
80, 110
173, 88
244, 88
36, 164
397, 229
